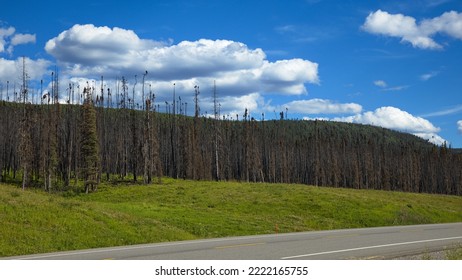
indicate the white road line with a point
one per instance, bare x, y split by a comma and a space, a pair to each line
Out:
210, 241
105, 250
160, 245
370, 247
136, 247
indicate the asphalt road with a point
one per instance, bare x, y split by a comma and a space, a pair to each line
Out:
367, 243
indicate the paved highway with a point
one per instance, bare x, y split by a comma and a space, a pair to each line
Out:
367, 243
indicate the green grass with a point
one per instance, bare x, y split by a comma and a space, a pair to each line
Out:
32, 221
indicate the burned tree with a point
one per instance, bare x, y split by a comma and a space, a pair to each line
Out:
25, 146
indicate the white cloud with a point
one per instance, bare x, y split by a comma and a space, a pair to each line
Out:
418, 34
428, 76
380, 83
11, 73
7, 44
396, 88
322, 106
459, 126
449, 23
19, 39
432, 138
236, 105
11, 70
89, 51
453, 110
396, 119
4, 33
398, 25
88, 46
288, 76
228, 106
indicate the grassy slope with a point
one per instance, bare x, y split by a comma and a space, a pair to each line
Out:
33, 222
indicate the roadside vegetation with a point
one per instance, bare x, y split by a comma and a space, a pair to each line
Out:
451, 252
454, 253
33, 221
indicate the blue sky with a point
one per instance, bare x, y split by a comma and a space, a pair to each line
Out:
395, 64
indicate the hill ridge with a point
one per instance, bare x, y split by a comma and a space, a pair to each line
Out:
142, 145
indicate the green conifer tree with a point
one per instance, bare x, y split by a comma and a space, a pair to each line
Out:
90, 158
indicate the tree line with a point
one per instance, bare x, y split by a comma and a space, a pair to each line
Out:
59, 146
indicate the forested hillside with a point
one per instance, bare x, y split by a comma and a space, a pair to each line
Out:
43, 146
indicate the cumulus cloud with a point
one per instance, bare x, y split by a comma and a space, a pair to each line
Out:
449, 23
398, 25
7, 43
394, 118
88, 46
19, 39
459, 126
432, 138
236, 105
418, 34
322, 106
287, 76
11, 70
87, 50
397, 119
5, 33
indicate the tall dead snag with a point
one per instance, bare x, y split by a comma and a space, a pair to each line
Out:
196, 162
135, 146
150, 145
68, 139
89, 151
25, 148
25, 145
146, 148
174, 140
147, 145
124, 129
217, 136
49, 128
